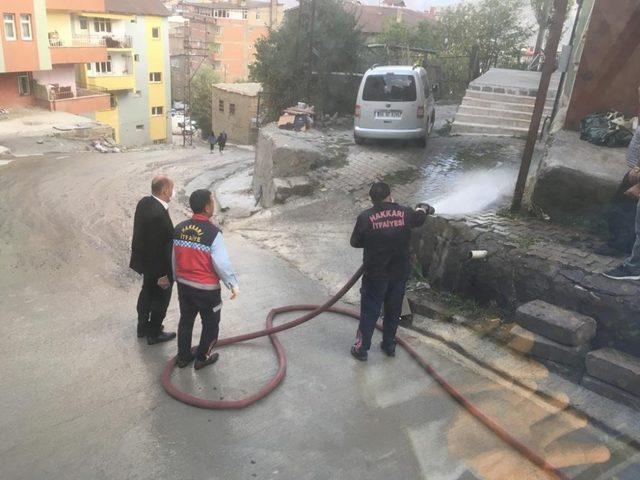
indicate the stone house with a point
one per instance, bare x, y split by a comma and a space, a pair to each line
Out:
234, 108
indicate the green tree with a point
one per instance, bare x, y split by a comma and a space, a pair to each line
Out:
286, 58
201, 87
492, 30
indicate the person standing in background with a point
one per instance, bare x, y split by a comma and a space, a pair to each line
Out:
212, 142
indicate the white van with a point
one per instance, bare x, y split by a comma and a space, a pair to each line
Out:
394, 102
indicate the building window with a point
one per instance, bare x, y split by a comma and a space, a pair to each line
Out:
257, 14
113, 101
88, 66
216, 47
232, 109
136, 57
24, 86
25, 26
103, 67
155, 32
221, 13
244, 14
83, 24
102, 25
157, 110
9, 26
139, 127
221, 105
155, 77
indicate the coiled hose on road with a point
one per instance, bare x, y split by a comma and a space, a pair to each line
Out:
314, 311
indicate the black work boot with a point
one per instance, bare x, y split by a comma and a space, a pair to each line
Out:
359, 354
183, 362
211, 359
161, 338
389, 348
142, 329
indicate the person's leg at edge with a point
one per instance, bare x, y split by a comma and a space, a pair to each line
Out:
392, 311
630, 269
188, 312
372, 295
633, 262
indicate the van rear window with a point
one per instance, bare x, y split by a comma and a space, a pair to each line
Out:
390, 88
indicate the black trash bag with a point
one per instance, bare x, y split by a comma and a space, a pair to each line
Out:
602, 129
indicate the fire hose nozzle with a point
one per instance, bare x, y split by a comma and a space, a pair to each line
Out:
427, 208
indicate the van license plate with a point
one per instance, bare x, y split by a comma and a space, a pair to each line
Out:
387, 114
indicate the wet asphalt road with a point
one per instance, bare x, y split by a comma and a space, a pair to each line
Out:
80, 395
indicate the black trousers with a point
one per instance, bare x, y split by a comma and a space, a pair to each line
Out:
153, 302
375, 294
621, 218
194, 301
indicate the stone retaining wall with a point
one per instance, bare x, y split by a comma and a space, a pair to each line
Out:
529, 261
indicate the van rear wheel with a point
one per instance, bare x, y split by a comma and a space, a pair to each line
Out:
359, 140
422, 142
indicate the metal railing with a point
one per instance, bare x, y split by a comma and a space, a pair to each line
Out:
108, 41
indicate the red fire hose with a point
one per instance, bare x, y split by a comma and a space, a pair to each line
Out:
314, 311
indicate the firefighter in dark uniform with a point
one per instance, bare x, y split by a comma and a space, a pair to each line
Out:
384, 231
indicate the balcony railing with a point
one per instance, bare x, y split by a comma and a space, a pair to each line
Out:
115, 41
109, 41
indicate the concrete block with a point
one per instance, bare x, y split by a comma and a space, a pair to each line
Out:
615, 368
287, 187
609, 391
421, 305
563, 326
576, 178
532, 344
282, 154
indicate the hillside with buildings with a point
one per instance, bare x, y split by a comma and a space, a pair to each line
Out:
104, 59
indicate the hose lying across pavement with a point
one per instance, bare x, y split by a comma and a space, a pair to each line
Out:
314, 311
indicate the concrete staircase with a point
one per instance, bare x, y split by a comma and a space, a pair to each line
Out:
487, 111
557, 337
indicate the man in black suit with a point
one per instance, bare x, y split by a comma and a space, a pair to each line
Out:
151, 257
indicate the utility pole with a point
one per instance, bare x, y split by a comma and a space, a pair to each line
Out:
551, 51
192, 50
312, 22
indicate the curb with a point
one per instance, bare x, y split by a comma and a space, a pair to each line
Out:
541, 393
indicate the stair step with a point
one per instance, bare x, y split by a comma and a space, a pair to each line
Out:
494, 112
615, 368
503, 97
504, 89
611, 392
563, 326
462, 128
493, 120
514, 107
532, 344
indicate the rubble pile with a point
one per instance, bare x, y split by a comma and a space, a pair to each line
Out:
106, 145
